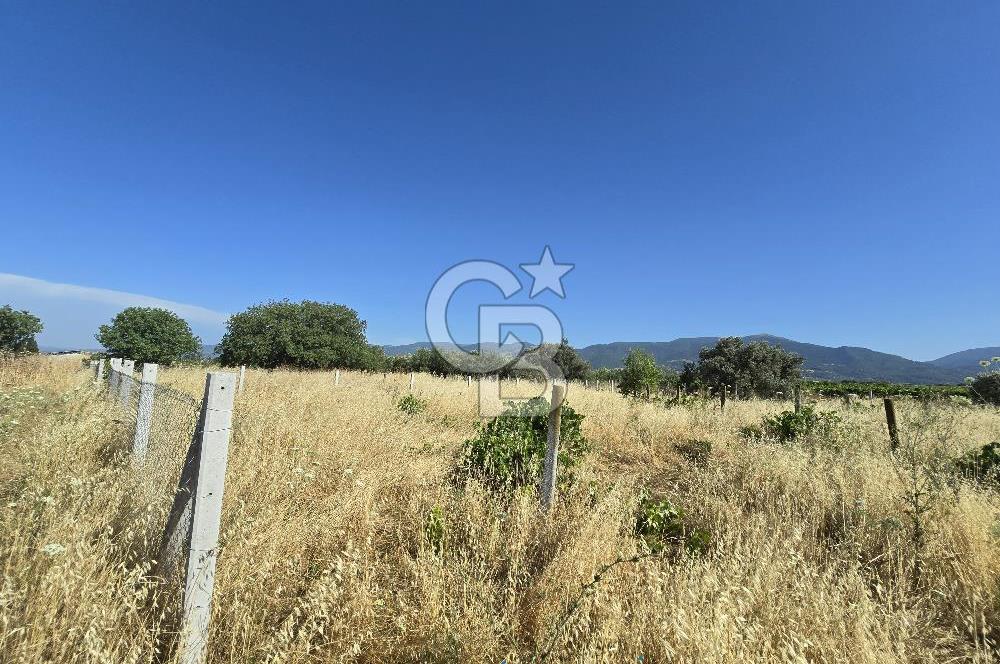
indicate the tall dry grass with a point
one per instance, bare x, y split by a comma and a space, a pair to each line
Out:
329, 489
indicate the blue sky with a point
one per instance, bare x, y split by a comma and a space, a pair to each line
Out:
824, 172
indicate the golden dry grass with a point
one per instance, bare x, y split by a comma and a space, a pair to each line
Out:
324, 556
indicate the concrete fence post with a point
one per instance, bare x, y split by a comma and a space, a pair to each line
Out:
99, 371
243, 375
126, 380
612, 386
113, 375
144, 414
193, 525
468, 381
336, 378
411, 381
551, 471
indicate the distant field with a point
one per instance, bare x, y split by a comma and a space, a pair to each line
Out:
346, 537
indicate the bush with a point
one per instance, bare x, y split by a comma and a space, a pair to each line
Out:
148, 334
982, 465
789, 426
660, 524
508, 451
412, 405
986, 388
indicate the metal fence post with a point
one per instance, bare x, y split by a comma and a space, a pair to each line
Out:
550, 476
144, 414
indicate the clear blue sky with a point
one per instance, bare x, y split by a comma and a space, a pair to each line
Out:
824, 172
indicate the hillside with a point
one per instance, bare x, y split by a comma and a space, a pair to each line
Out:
821, 362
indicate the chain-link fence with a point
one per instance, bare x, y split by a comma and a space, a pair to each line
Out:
159, 421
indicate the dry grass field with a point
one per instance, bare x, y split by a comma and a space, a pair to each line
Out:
326, 554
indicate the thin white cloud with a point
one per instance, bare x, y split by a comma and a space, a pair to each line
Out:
48, 289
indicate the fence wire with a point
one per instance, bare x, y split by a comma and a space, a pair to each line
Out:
160, 424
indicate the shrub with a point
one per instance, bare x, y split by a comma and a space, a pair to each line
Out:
983, 464
788, 426
986, 387
660, 524
411, 405
508, 451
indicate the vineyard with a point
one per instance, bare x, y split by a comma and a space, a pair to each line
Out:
359, 524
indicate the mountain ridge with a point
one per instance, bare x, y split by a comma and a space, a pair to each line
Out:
821, 362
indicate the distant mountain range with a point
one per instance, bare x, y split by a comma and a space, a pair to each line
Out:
821, 362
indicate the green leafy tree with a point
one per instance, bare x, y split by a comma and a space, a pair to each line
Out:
147, 334
305, 335
640, 375
18, 330
605, 374
573, 366
755, 368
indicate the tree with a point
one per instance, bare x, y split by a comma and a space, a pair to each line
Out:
18, 330
148, 334
640, 376
304, 335
755, 368
573, 366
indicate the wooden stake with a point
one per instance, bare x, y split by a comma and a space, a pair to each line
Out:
890, 420
550, 476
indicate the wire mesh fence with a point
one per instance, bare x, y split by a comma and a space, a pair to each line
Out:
160, 423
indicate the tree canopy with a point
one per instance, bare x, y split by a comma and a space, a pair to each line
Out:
573, 366
305, 335
148, 334
18, 330
640, 376
755, 368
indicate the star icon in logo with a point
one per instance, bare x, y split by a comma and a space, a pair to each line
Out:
546, 274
